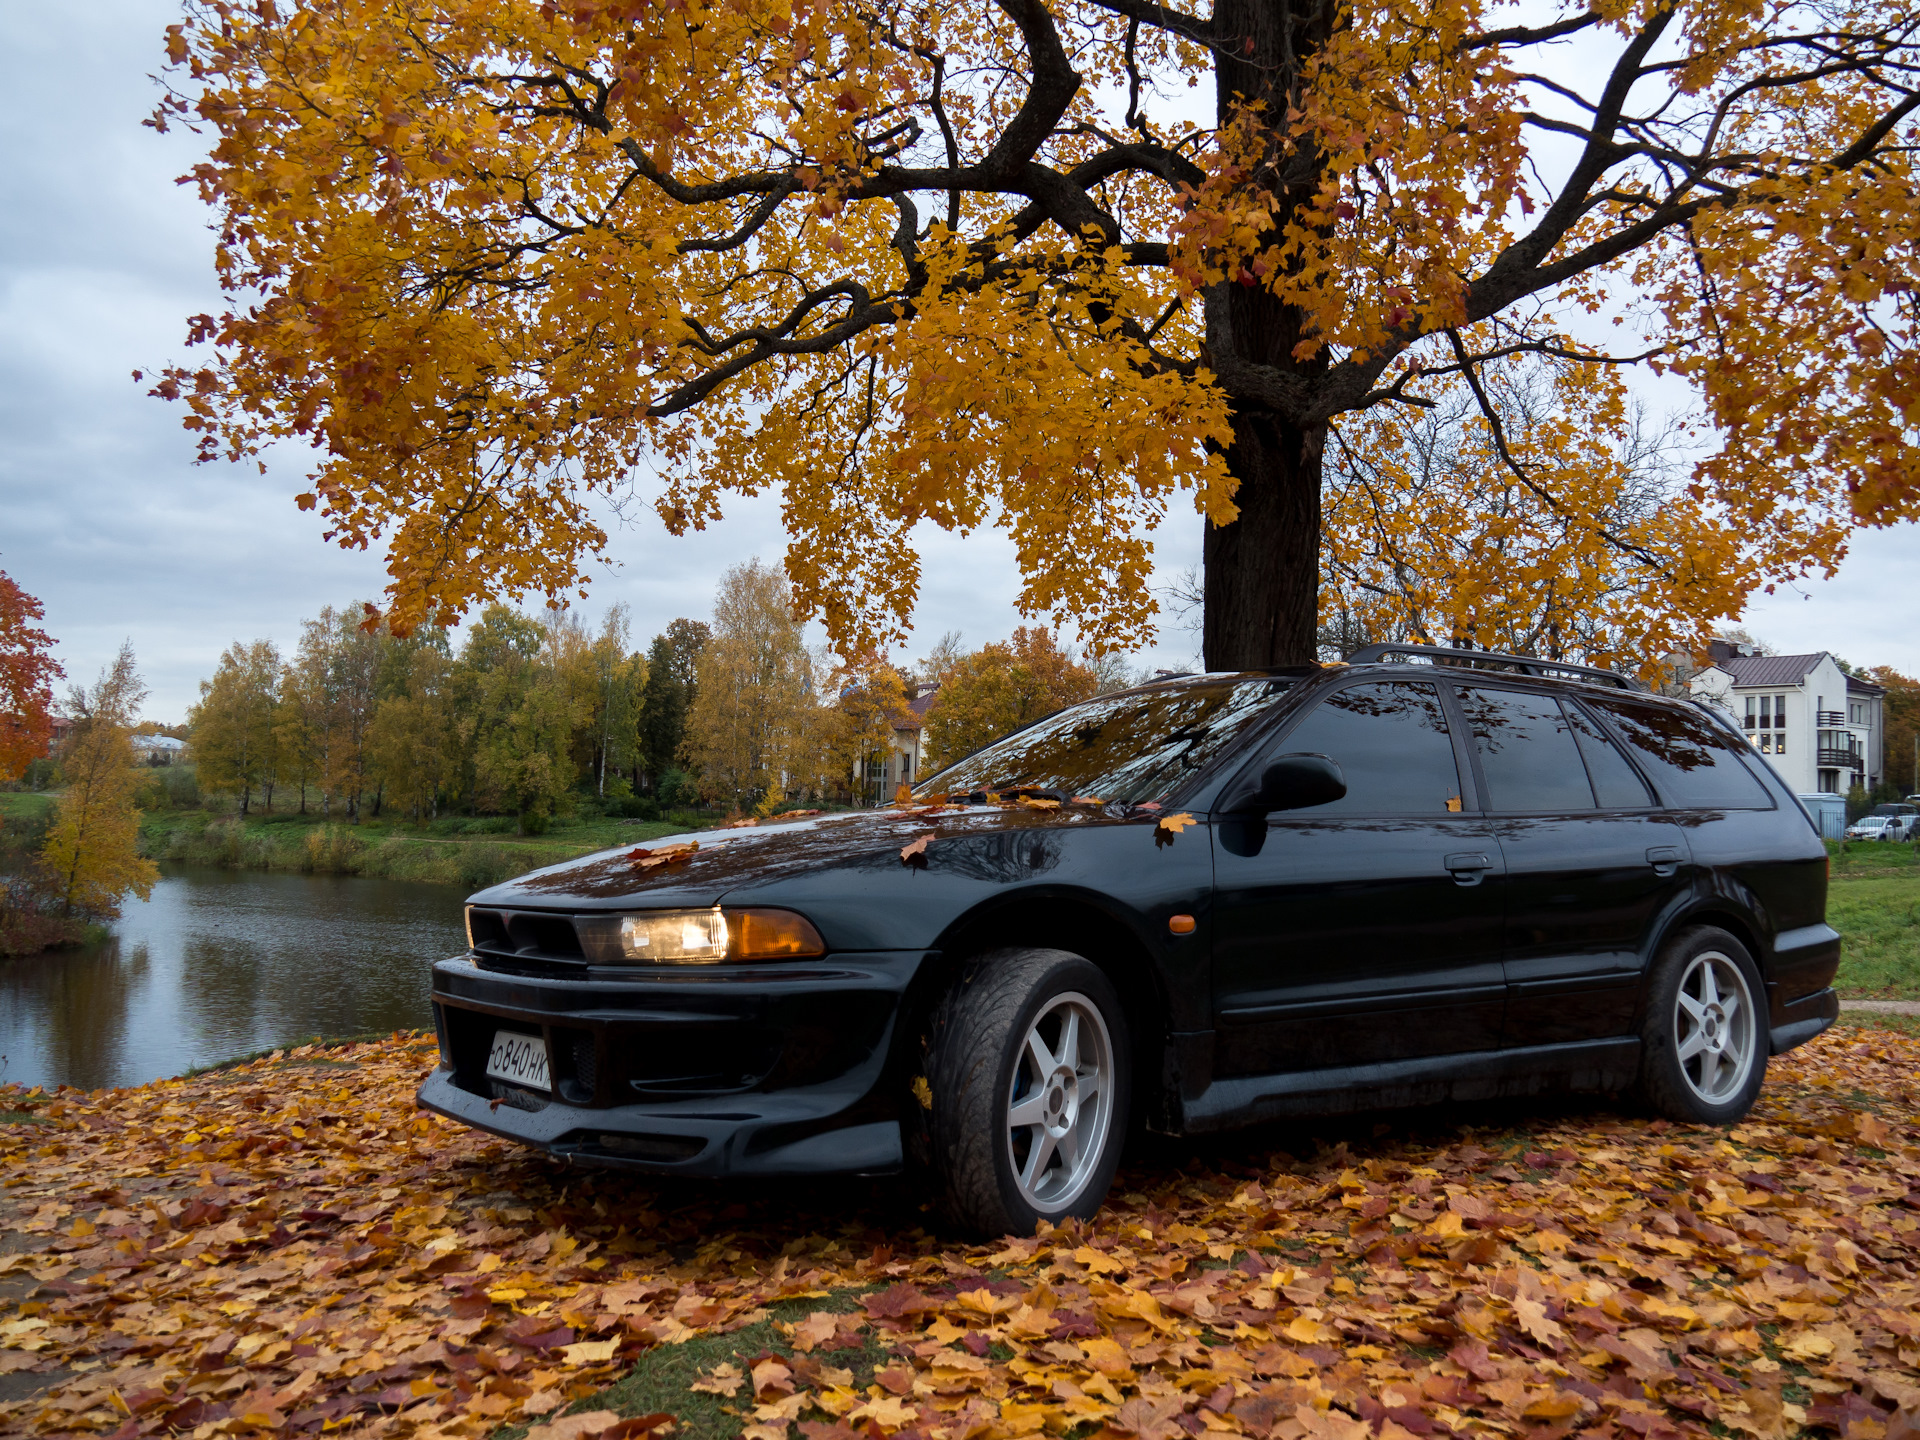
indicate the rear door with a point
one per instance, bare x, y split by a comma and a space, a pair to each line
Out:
1591, 864
1368, 929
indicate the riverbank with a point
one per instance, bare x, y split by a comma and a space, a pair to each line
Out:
472, 853
290, 1245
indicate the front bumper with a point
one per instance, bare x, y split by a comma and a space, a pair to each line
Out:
748, 1070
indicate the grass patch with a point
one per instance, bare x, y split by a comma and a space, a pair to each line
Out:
22, 1117
1879, 1020
1879, 923
24, 804
472, 853
661, 1381
1873, 857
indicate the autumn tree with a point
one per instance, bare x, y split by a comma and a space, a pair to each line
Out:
515, 719
870, 702
755, 715
1901, 733
1430, 536
672, 685
413, 743
1001, 687
92, 849
236, 735
989, 265
27, 673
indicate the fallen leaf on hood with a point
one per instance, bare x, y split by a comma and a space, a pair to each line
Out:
645, 859
741, 824
914, 852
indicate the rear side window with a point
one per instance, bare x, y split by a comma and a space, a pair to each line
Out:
1527, 751
1616, 785
1391, 743
1692, 762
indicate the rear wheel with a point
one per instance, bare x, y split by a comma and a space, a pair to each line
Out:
1704, 1038
1028, 1071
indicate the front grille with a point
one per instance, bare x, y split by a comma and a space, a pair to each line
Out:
586, 1062
527, 942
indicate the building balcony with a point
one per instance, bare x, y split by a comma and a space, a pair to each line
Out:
1827, 718
1830, 759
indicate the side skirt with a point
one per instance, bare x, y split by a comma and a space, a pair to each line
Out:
1587, 1065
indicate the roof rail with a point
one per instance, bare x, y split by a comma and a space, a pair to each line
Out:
1526, 664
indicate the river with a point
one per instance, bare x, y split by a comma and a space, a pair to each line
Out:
222, 962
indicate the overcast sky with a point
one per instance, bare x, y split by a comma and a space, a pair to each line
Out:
104, 518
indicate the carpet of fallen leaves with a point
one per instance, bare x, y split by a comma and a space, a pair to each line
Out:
289, 1247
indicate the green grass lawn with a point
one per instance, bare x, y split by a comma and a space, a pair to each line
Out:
451, 851
23, 804
1878, 917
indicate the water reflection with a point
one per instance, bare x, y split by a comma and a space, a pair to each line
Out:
220, 962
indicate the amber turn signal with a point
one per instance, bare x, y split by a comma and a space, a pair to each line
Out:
771, 935
1180, 924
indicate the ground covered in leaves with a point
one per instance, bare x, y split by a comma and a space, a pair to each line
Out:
289, 1247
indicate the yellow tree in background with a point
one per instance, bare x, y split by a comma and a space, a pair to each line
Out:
870, 702
1001, 687
92, 848
984, 265
413, 744
755, 729
236, 730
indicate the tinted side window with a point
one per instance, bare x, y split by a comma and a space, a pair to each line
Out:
1616, 785
1391, 742
1692, 762
1527, 752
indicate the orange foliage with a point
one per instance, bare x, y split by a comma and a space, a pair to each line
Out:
970, 266
291, 1245
27, 673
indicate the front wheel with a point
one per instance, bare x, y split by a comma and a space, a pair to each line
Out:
1704, 1037
1028, 1071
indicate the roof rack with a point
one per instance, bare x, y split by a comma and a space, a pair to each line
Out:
1526, 664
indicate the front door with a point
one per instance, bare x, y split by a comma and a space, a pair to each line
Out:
1590, 864
1367, 929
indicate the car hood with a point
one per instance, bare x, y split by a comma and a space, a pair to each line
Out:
729, 861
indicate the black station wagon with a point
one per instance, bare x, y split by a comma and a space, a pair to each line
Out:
1187, 906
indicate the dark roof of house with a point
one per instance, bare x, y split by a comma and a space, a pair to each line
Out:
1857, 686
1748, 670
919, 708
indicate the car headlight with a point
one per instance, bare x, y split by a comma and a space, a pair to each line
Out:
708, 937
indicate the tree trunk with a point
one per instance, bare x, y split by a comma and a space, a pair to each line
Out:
1263, 570
1262, 585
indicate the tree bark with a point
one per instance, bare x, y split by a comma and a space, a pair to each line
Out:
1262, 572
1262, 585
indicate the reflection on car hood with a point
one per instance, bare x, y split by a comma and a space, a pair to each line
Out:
729, 859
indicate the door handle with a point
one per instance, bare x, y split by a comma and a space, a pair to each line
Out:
1665, 859
1468, 867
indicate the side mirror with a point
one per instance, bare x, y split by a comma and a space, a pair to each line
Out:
1297, 782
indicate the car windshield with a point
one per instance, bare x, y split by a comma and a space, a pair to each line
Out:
1132, 747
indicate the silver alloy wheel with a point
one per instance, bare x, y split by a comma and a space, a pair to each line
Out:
1060, 1102
1715, 1027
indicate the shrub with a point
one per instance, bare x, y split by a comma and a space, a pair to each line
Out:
333, 849
485, 865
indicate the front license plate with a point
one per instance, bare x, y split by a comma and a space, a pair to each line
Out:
521, 1059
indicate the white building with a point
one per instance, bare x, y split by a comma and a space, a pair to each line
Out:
901, 762
1821, 729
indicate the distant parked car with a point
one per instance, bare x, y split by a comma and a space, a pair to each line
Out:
1868, 827
1196, 904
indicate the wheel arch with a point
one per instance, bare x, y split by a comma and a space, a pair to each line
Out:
1077, 922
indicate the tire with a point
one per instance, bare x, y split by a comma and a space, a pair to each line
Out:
1704, 1037
1015, 1140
